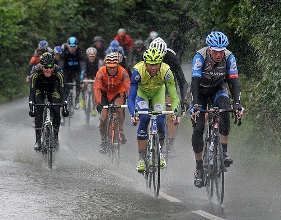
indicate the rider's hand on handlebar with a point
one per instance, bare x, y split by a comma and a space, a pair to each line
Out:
65, 112
175, 119
194, 111
134, 120
99, 107
32, 112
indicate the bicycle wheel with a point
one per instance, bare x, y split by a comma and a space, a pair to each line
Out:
219, 171
148, 168
208, 162
88, 107
70, 107
49, 146
115, 141
156, 165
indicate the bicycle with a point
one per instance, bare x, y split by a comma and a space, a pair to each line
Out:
113, 140
89, 103
153, 151
213, 159
47, 134
70, 101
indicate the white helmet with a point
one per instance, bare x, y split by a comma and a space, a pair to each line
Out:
121, 31
153, 35
160, 44
91, 51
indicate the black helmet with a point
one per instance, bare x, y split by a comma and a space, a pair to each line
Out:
47, 59
96, 38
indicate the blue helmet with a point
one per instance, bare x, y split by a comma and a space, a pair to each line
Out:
217, 39
72, 41
58, 50
43, 44
114, 43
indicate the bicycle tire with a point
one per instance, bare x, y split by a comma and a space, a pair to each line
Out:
147, 173
156, 165
207, 166
115, 141
71, 109
87, 107
50, 147
219, 171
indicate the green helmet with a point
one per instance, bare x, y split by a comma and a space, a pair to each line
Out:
152, 56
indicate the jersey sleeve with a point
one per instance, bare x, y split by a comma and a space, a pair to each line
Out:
135, 79
171, 87
197, 66
232, 67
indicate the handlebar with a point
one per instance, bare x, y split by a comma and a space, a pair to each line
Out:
89, 80
114, 106
49, 104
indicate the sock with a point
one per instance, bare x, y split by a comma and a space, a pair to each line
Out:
224, 147
142, 153
199, 164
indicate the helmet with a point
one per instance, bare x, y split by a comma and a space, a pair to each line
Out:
91, 51
58, 50
96, 38
43, 44
153, 35
112, 59
121, 31
139, 42
72, 41
217, 40
174, 34
160, 44
47, 59
152, 56
114, 43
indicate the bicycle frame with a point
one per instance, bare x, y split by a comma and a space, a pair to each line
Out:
70, 101
213, 160
153, 151
47, 133
113, 131
88, 99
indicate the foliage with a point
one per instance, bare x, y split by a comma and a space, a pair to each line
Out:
252, 27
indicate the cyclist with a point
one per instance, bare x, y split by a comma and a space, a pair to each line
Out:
124, 40
57, 54
171, 59
93, 63
47, 80
98, 44
73, 63
177, 44
149, 79
152, 36
115, 47
43, 44
111, 86
34, 60
212, 67
135, 54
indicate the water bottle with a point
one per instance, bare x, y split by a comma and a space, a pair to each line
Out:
211, 149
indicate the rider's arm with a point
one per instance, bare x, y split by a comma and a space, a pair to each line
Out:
233, 78
61, 88
172, 90
175, 66
135, 79
197, 66
97, 85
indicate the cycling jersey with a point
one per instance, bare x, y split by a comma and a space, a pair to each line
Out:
142, 82
92, 68
210, 74
112, 85
40, 83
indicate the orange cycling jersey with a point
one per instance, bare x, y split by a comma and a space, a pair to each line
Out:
34, 60
112, 85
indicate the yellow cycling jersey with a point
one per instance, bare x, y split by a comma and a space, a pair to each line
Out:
150, 85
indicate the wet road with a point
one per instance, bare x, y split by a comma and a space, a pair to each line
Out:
85, 185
